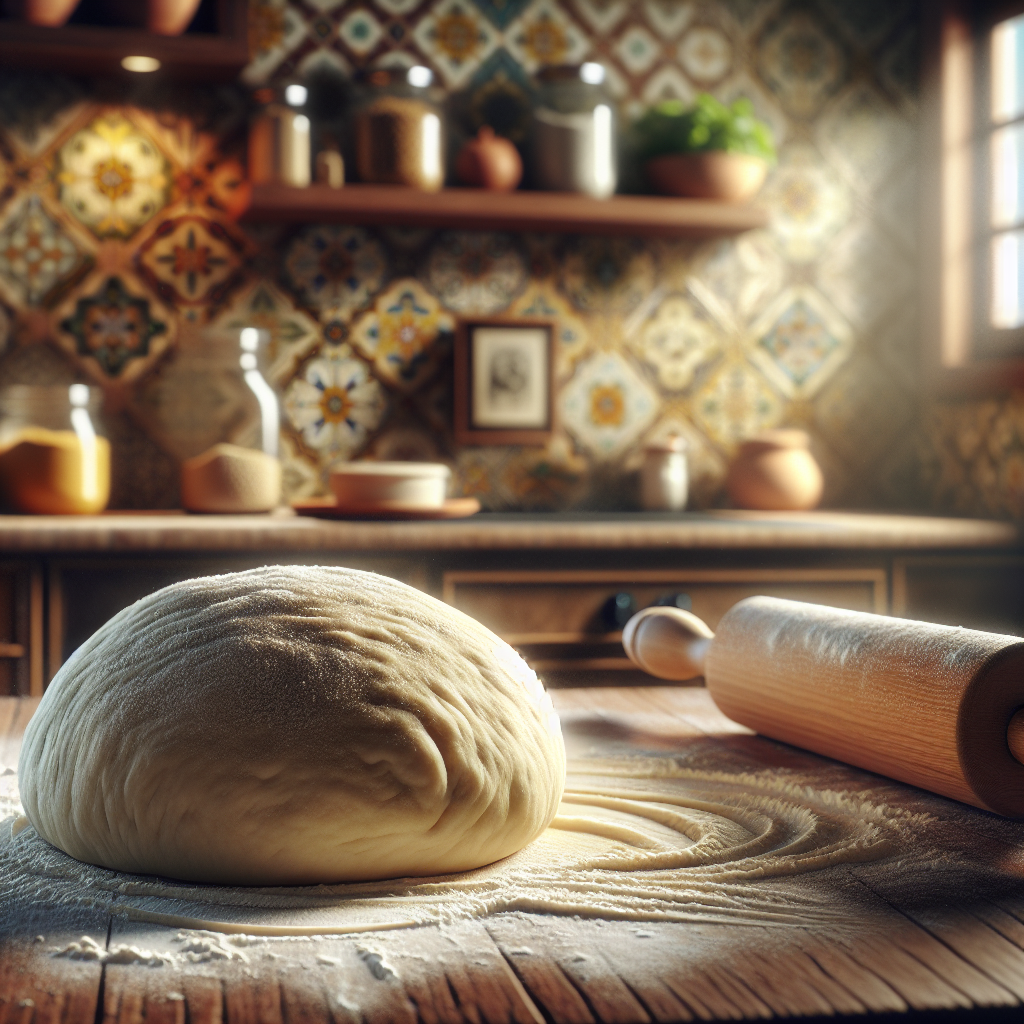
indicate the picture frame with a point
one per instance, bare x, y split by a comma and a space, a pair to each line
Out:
504, 380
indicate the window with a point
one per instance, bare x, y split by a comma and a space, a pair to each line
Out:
973, 177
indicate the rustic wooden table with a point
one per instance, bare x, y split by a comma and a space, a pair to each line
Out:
939, 925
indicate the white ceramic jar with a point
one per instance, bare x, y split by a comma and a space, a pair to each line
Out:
664, 478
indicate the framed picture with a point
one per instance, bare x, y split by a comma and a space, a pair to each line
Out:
504, 381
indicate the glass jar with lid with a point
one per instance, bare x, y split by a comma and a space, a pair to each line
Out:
54, 457
279, 137
574, 131
398, 128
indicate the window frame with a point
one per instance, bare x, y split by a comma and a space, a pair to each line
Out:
956, 129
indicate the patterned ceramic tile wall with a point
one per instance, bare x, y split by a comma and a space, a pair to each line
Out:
122, 262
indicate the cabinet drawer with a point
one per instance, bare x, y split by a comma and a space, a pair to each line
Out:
555, 618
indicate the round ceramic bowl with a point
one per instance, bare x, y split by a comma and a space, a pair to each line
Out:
729, 177
390, 484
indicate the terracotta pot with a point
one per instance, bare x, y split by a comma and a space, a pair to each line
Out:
775, 471
729, 177
170, 17
490, 162
42, 12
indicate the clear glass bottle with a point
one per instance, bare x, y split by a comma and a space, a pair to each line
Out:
574, 146
398, 129
54, 457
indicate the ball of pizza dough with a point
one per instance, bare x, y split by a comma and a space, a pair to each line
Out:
292, 725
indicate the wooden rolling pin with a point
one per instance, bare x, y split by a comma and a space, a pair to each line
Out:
940, 707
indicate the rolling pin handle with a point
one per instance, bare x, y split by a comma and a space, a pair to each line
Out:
1015, 736
667, 642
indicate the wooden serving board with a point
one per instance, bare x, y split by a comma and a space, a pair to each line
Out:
939, 933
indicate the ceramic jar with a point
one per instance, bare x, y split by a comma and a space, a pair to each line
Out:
279, 140
42, 12
490, 162
775, 471
664, 479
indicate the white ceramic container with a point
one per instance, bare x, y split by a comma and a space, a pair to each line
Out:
390, 484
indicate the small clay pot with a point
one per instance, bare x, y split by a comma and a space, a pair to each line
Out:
727, 177
170, 17
490, 162
42, 12
227, 478
775, 471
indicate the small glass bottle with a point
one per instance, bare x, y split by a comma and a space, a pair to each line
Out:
54, 458
279, 146
574, 132
398, 129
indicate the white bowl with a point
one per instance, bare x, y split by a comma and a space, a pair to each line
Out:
390, 484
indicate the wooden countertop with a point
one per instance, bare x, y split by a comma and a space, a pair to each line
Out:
284, 531
936, 924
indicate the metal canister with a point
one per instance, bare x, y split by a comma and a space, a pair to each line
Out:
279, 146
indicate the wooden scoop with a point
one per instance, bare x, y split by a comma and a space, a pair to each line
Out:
939, 707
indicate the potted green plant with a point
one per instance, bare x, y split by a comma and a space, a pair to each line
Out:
710, 150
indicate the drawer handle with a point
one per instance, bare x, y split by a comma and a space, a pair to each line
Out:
617, 611
680, 600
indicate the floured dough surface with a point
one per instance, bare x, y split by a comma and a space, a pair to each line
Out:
292, 725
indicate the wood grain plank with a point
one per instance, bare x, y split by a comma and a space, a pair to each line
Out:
253, 1000
204, 999
876, 994
549, 988
35, 988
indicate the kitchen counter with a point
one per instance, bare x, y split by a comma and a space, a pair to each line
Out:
931, 918
285, 531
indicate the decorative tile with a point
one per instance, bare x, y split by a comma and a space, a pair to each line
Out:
475, 273
868, 21
863, 411
398, 7
637, 49
607, 275
677, 341
602, 15
203, 179
800, 342
801, 62
668, 17
501, 95
324, 6
192, 261
607, 406
404, 334
114, 331
323, 59
293, 335
411, 443
35, 107
322, 31
275, 30
865, 137
360, 31
456, 38
434, 402
897, 204
545, 35
37, 254
478, 475
899, 66
668, 83
336, 404
808, 200
735, 403
542, 301
300, 475
864, 275
502, 12
335, 267
705, 54
111, 177
736, 277
546, 480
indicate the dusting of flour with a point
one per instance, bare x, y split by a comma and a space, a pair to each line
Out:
637, 839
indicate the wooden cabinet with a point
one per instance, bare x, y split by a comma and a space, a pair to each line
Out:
557, 619
21, 628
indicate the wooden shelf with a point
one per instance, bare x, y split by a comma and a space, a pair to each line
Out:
476, 209
89, 49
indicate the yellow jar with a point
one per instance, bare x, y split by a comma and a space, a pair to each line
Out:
54, 459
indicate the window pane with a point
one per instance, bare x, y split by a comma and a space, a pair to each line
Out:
1008, 176
1008, 69
1008, 280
